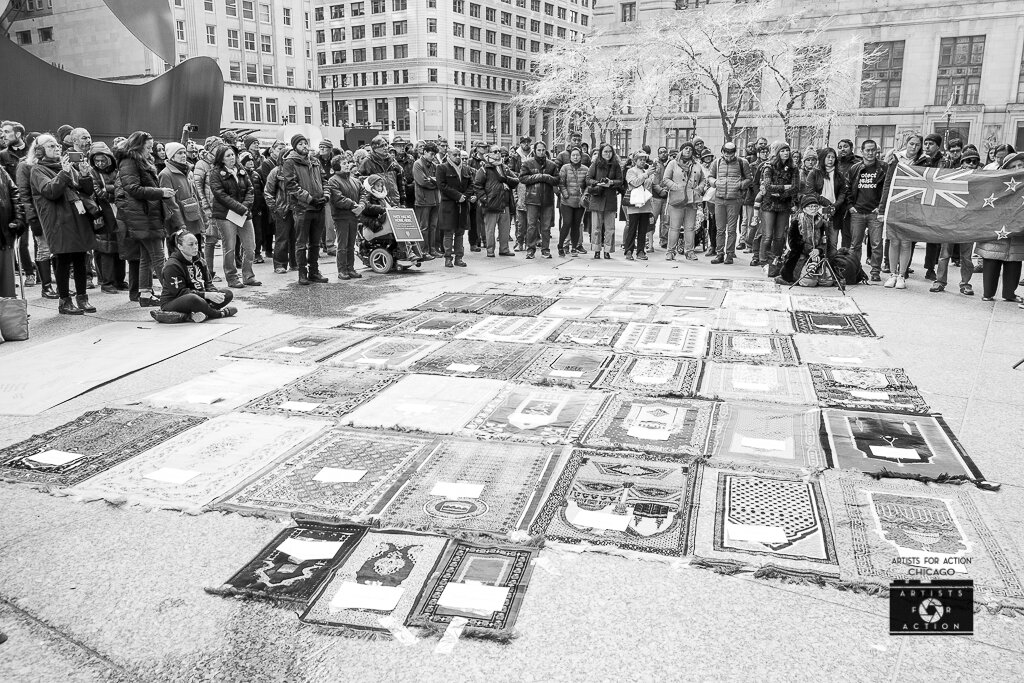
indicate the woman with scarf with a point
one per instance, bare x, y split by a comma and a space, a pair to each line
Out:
345, 191
232, 191
685, 180
185, 210
780, 180
104, 178
62, 197
603, 181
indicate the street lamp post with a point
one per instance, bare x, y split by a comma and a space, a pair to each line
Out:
334, 111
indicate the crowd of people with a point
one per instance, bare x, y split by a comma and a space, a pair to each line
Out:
113, 217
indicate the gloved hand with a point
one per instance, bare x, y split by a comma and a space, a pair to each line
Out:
374, 210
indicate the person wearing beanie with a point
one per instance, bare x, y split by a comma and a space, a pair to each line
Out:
184, 209
730, 176
345, 192
970, 158
64, 137
298, 139
109, 266
325, 153
248, 141
303, 182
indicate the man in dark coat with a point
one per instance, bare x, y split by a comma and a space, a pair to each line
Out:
455, 182
427, 198
303, 182
540, 176
380, 162
12, 224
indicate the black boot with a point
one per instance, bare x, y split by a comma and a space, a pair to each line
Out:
49, 292
303, 278
448, 262
83, 303
68, 307
459, 262
315, 276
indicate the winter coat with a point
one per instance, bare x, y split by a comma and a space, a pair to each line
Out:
454, 182
390, 170
66, 230
201, 177
845, 164
638, 177
302, 179
678, 176
839, 189
140, 200
181, 276
604, 199
373, 213
22, 178
10, 158
657, 190
105, 187
730, 179
181, 182
494, 188
541, 178
563, 158
230, 193
10, 210
1009, 249
572, 181
775, 198
424, 174
811, 183
344, 196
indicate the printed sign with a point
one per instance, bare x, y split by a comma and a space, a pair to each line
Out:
404, 224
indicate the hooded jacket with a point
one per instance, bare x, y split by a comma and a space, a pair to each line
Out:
230, 193
680, 174
572, 181
388, 169
181, 276
66, 230
540, 176
186, 194
105, 187
494, 187
373, 207
303, 181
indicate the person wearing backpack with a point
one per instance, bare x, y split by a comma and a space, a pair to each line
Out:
730, 176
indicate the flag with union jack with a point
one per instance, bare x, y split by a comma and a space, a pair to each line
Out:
954, 204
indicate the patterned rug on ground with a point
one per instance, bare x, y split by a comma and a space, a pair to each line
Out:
507, 328
456, 302
325, 392
754, 286
685, 317
757, 301
649, 339
622, 312
301, 345
884, 526
586, 333
293, 565
577, 368
227, 387
589, 292
652, 376
376, 322
638, 296
632, 501
749, 520
386, 353
847, 351
382, 577
474, 485
533, 413
743, 347
435, 324
885, 389
836, 305
341, 474
428, 403
744, 382
760, 322
88, 445
485, 584
694, 297
466, 358
513, 304
847, 325
655, 283
675, 428
603, 281
916, 446
769, 437
570, 309
193, 468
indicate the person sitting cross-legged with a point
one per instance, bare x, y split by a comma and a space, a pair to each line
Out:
188, 292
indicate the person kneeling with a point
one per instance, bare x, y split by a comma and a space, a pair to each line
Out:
188, 291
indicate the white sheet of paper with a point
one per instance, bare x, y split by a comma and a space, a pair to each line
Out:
457, 490
565, 373
353, 595
759, 533
339, 475
648, 434
895, 453
236, 218
172, 475
299, 406
597, 519
305, 549
55, 458
459, 367
763, 444
289, 349
870, 395
473, 596
364, 326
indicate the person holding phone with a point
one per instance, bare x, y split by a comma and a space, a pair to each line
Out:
232, 191
603, 181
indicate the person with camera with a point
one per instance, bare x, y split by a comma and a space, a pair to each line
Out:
303, 181
495, 185
62, 197
603, 181
109, 265
232, 191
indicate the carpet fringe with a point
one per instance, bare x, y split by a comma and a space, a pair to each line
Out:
956, 479
431, 629
514, 537
227, 591
585, 547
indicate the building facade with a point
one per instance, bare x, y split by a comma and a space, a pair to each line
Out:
933, 53
430, 68
264, 48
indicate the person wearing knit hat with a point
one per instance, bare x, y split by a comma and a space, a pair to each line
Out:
248, 140
62, 136
970, 158
298, 138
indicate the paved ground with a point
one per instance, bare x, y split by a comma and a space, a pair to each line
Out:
89, 591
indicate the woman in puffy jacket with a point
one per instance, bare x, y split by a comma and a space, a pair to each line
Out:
232, 191
572, 183
603, 181
685, 180
104, 178
140, 205
779, 184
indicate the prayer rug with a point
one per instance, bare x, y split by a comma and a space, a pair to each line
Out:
301, 345
326, 392
341, 474
832, 323
745, 382
193, 468
495, 287
740, 347
761, 322
532, 413
836, 305
754, 286
386, 353
651, 376
511, 304
638, 296
622, 312
589, 292
376, 322
711, 283
757, 301
753, 520
507, 328
578, 368
293, 565
887, 389
673, 427
458, 302
570, 308
498, 360
428, 403
769, 437
586, 333
660, 284
484, 584
382, 577
858, 352
633, 501
226, 388
882, 527
88, 445
677, 315
474, 485
435, 324
694, 297
603, 281
648, 339
918, 446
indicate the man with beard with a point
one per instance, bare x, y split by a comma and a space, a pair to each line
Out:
658, 203
303, 182
540, 175
406, 160
380, 162
455, 182
427, 198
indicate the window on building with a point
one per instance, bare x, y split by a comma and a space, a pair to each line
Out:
521, 44
358, 9
431, 25
628, 12
459, 6
534, 46
238, 105
399, 5
286, 19
320, 36
337, 34
885, 136
235, 71
359, 54
474, 33
491, 14
341, 113
380, 53
179, 33
460, 54
248, 10
1020, 85
207, 4
549, 29
506, 62
268, 75
380, 110
474, 10
362, 112
506, 40
474, 116
337, 11
46, 34
233, 38
745, 138
231, 9
675, 137
535, 5
256, 109
265, 44
561, 32
400, 28
290, 77
271, 110
250, 41
358, 32
458, 30
460, 115
474, 56
251, 73
520, 65
506, 18
620, 140
432, 75
308, 111
291, 113
491, 59
506, 119
321, 58
959, 77
378, 30
401, 51
318, 14
431, 49
744, 91
883, 75
378, 6
264, 13
561, 13
584, 20
338, 56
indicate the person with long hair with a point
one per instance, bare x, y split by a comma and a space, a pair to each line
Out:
603, 181
779, 185
685, 181
232, 191
639, 179
997, 155
159, 156
901, 251
62, 194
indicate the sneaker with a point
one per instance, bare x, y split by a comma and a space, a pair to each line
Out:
607, 256
561, 252
728, 260
518, 247
988, 298
875, 277
901, 283
692, 257
597, 255
236, 285
30, 280
937, 287
490, 253
529, 254
428, 257
342, 275
505, 253
228, 311
885, 269
354, 275
629, 256
967, 290
573, 253
545, 253
197, 317
891, 282
218, 278
755, 262
641, 256
717, 260
474, 248
929, 274
169, 317
253, 283
580, 250
258, 259
109, 289
280, 271
670, 256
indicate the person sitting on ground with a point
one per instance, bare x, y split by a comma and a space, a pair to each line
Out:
188, 292
808, 243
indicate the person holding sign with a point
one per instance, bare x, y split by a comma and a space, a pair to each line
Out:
232, 191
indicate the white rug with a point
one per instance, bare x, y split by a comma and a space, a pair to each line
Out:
648, 339
386, 353
226, 388
42, 376
511, 328
830, 349
757, 301
838, 305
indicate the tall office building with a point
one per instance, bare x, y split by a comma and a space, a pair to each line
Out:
264, 48
429, 68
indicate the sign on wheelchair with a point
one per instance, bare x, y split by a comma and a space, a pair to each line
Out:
395, 246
